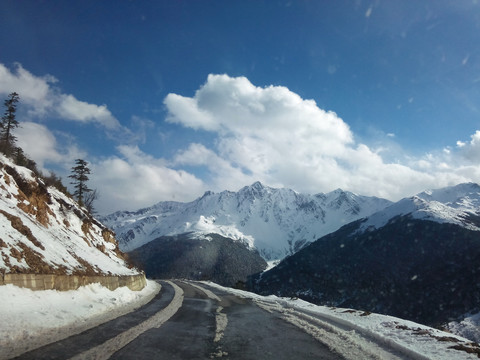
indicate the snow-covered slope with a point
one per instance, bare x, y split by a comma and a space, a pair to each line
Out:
277, 222
417, 259
43, 231
458, 205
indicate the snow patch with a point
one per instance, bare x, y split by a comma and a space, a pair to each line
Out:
40, 317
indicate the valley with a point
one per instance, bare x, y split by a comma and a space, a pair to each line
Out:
416, 259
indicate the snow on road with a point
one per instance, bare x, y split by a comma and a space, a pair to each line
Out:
366, 332
30, 319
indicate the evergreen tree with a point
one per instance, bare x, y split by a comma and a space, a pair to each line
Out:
79, 175
8, 124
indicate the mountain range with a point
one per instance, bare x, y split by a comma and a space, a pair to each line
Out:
275, 222
418, 259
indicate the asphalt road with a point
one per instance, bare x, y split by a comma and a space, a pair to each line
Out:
251, 333
192, 321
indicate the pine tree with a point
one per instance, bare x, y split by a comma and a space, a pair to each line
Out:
8, 124
79, 175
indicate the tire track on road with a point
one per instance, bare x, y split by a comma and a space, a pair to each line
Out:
108, 348
221, 319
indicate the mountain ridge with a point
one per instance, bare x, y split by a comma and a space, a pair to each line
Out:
458, 204
276, 222
417, 259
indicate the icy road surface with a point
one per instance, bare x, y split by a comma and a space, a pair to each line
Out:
193, 320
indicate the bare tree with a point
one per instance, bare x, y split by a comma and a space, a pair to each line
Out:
89, 198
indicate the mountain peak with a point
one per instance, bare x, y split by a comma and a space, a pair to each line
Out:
207, 193
451, 194
257, 185
459, 204
256, 189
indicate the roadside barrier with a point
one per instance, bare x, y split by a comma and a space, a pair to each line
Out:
72, 282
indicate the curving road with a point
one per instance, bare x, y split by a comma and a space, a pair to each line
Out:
189, 320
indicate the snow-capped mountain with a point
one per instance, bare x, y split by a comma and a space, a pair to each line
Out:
276, 222
43, 231
458, 205
417, 259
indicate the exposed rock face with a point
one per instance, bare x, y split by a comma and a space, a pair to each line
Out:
42, 231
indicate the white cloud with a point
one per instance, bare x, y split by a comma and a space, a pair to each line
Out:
38, 140
71, 108
185, 110
273, 135
269, 134
142, 126
41, 145
136, 180
42, 98
471, 150
35, 91
234, 106
224, 175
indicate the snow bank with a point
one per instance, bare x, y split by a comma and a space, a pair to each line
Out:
413, 339
30, 319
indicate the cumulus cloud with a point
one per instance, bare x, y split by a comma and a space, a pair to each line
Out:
260, 133
41, 145
269, 134
273, 135
471, 150
129, 180
37, 139
42, 98
223, 175
134, 180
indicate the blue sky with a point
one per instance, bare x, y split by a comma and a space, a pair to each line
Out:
168, 99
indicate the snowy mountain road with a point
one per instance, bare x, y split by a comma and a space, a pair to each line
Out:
190, 320
222, 325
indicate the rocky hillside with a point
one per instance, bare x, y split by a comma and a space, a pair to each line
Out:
275, 222
42, 231
418, 259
